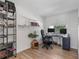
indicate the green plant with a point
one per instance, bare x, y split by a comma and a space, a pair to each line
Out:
59, 27
32, 35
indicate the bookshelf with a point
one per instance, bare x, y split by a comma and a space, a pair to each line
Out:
7, 21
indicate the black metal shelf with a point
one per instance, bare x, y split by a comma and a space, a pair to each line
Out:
9, 18
1, 25
3, 36
4, 16
9, 26
8, 7
10, 11
11, 34
4, 46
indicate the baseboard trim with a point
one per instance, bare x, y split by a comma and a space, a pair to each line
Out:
23, 50
76, 50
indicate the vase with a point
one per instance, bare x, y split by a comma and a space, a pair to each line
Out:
35, 44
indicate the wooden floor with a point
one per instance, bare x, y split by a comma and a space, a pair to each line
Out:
55, 53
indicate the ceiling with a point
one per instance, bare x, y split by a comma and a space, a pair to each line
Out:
48, 7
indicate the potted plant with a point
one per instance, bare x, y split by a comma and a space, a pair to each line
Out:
32, 35
34, 43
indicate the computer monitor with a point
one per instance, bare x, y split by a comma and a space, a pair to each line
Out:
63, 31
51, 30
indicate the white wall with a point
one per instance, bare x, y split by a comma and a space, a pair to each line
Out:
68, 18
78, 41
23, 42
78, 33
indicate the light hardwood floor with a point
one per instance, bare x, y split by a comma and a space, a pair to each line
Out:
55, 53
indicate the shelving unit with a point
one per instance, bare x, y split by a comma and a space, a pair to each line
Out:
7, 22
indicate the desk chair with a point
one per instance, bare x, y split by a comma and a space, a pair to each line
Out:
43, 37
47, 40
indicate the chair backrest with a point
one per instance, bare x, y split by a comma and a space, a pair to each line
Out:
45, 37
42, 34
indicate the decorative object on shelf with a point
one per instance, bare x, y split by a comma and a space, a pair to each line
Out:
11, 49
3, 54
1, 7
34, 24
2, 23
4, 12
10, 15
34, 43
11, 25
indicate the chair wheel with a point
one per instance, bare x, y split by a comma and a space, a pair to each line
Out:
15, 56
47, 48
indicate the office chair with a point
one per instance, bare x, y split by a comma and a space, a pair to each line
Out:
47, 40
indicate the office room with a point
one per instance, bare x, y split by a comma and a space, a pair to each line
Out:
39, 29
